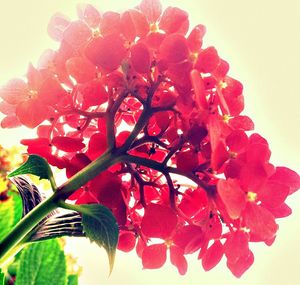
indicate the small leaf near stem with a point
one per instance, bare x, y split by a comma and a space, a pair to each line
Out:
100, 226
37, 166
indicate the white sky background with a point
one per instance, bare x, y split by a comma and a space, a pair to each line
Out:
261, 41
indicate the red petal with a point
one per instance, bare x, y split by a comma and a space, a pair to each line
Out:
233, 87
10, 122
140, 58
40, 146
287, 177
252, 176
81, 69
106, 187
110, 23
77, 162
51, 91
232, 196
212, 256
195, 38
154, 256
241, 265
237, 141
34, 77
260, 221
236, 246
222, 69
140, 246
219, 156
257, 138
93, 92
6, 108
154, 40
193, 201
89, 14
107, 52
174, 49
273, 194
208, 60
134, 24
235, 105
179, 73
127, 241
159, 221
97, 145
199, 89
258, 153
189, 238
77, 33
196, 134
281, 212
68, 144
31, 113
173, 20
14, 92
58, 23
178, 259
241, 123
187, 161
86, 198
151, 9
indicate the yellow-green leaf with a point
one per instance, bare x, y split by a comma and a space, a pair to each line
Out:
42, 263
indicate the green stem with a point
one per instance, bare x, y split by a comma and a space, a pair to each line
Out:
15, 237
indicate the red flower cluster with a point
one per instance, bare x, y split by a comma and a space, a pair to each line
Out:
140, 85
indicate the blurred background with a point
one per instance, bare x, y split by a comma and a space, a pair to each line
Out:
261, 41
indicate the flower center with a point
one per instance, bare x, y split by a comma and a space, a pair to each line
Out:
251, 196
154, 28
32, 94
168, 243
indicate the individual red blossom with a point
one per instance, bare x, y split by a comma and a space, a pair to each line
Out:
160, 221
32, 99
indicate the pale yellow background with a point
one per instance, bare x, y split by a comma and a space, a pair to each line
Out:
261, 41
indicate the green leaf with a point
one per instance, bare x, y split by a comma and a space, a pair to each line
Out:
42, 263
35, 165
10, 212
100, 226
73, 279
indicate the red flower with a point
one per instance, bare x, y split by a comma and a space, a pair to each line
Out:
189, 178
32, 99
